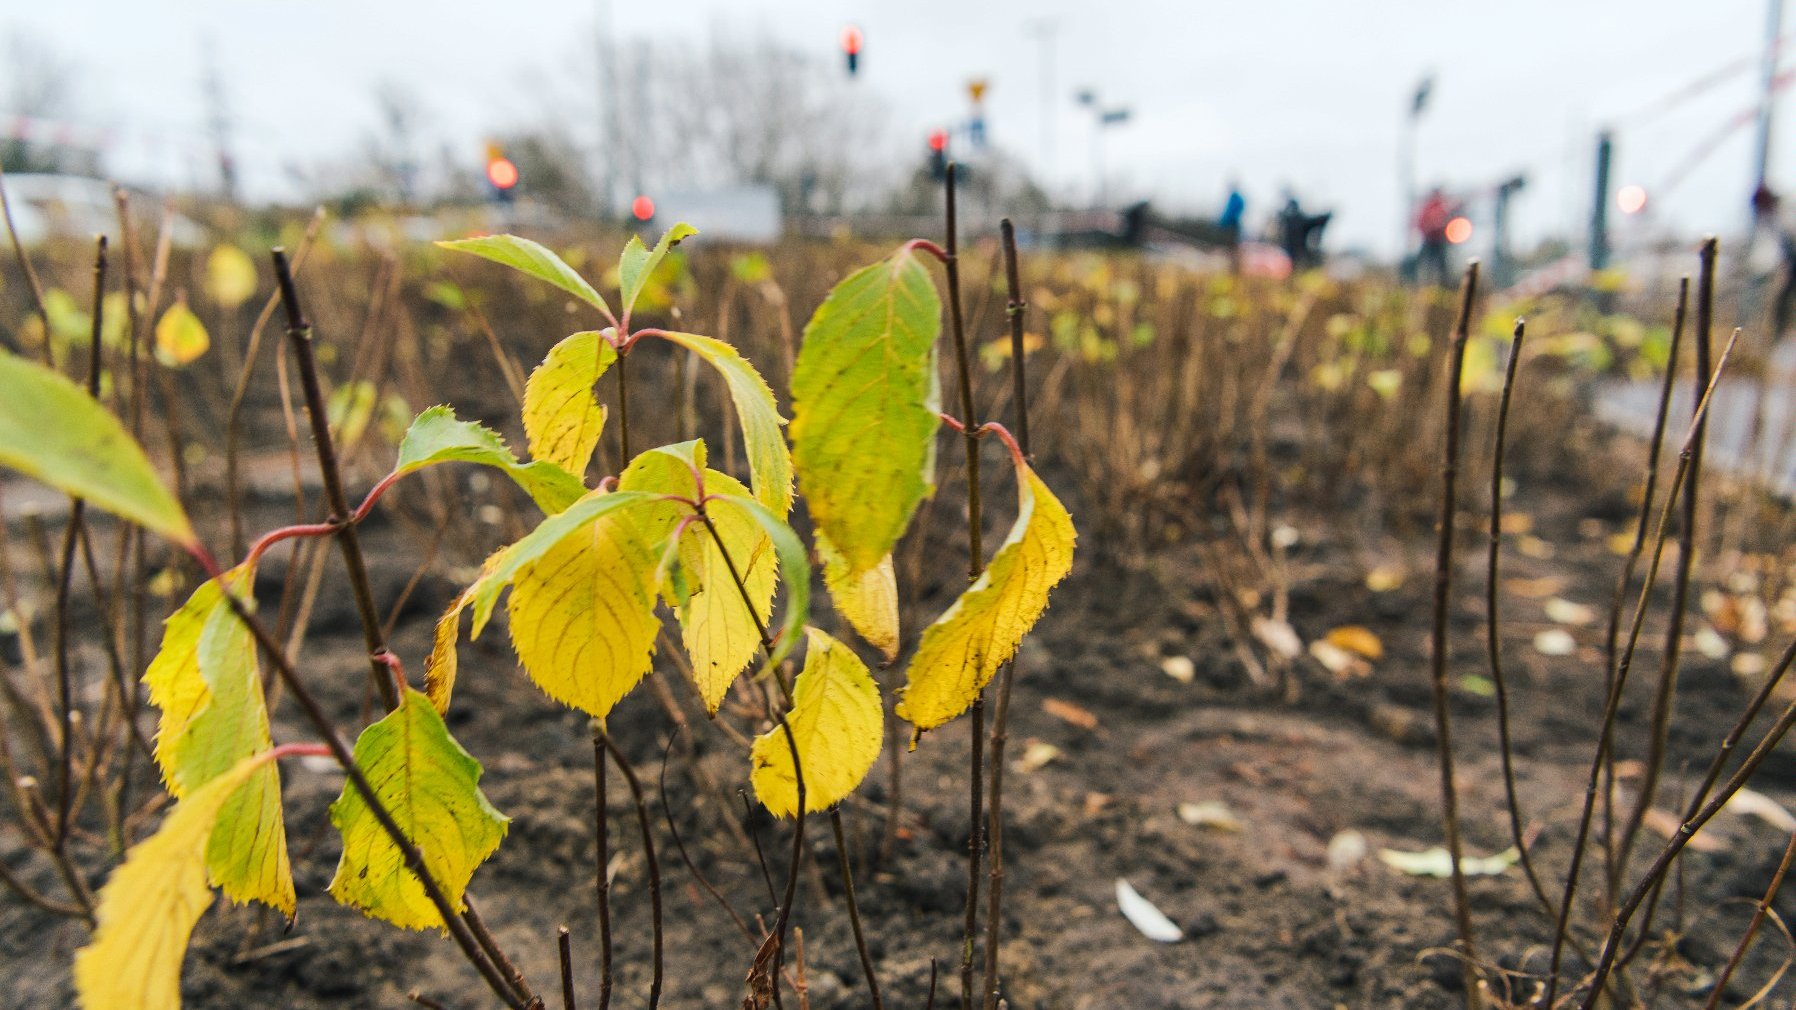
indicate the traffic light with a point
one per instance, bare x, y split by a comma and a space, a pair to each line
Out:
642, 208
938, 154
501, 173
851, 48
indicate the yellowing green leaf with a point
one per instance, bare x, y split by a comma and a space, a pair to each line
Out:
436, 436
52, 430
230, 277
837, 726
562, 417
965, 646
794, 571
865, 405
148, 909
637, 262
180, 336
204, 679
867, 599
526, 256
432, 788
719, 631
349, 408
770, 465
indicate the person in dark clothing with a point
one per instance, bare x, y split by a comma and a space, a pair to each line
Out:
1230, 221
1300, 233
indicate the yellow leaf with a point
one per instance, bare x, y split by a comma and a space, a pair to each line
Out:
205, 681
1356, 639
440, 665
230, 277
148, 909
562, 417
431, 787
583, 615
769, 462
965, 646
837, 726
868, 599
180, 336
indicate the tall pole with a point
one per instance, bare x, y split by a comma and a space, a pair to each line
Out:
1774, 23
609, 127
1599, 213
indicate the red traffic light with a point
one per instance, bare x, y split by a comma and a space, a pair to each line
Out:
501, 173
643, 208
851, 40
938, 140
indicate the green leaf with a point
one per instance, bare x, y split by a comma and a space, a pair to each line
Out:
865, 406
837, 725
637, 262
562, 417
52, 430
769, 464
437, 436
526, 256
431, 786
349, 408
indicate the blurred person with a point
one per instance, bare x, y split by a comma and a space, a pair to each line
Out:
1233, 210
1300, 233
1431, 221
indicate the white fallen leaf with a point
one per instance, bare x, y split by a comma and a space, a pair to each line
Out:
1749, 803
1555, 642
1142, 914
1209, 814
1346, 850
1179, 668
1711, 644
1747, 664
1437, 862
1278, 636
1337, 660
1285, 537
1563, 611
1036, 755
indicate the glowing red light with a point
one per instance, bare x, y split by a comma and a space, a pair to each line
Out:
938, 140
1631, 199
502, 173
1459, 230
851, 40
643, 208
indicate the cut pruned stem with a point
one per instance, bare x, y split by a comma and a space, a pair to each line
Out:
1443, 584
563, 948
1605, 733
602, 861
994, 919
299, 336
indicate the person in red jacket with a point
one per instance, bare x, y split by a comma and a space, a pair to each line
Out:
1431, 220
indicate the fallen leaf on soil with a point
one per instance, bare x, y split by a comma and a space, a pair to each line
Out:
1534, 589
1555, 642
1209, 814
1747, 664
1285, 537
1385, 578
1534, 547
1068, 712
1356, 639
1036, 754
1339, 661
1517, 522
1667, 823
1346, 850
1437, 862
1142, 914
1478, 684
1621, 544
1096, 802
1562, 611
1278, 636
1746, 802
1711, 644
1179, 668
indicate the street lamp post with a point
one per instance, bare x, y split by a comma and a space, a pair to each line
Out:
1406, 163
1102, 117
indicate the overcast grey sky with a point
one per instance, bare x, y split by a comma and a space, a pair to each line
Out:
1309, 93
